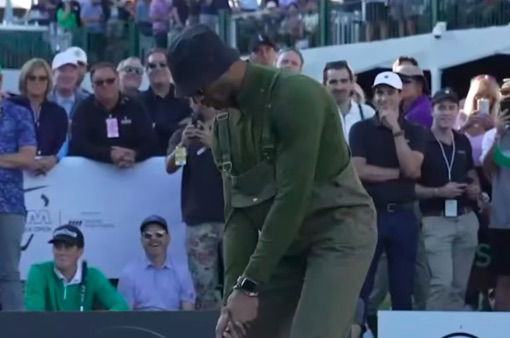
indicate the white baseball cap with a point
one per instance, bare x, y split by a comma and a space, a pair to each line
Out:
77, 53
388, 78
62, 59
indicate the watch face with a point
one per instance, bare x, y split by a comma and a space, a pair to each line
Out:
249, 285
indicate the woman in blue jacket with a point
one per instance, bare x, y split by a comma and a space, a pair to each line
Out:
35, 83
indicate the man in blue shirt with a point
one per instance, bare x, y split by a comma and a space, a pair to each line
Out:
156, 282
17, 152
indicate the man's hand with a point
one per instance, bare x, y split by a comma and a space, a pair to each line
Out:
222, 324
478, 119
226, 328
46, 163
205, 134
390, 120
242, 308
123, 157
502, 122
189, 134
452, 190
473, 191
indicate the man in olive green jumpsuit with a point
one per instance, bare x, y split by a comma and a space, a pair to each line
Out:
300, 229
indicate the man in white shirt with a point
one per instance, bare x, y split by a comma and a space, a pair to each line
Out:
339, 80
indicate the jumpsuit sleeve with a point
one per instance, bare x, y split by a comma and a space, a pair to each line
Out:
297, 118
239, 241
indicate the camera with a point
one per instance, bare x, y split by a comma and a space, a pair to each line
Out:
439, 30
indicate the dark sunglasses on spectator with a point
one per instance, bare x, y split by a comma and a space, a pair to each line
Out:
34, 78
154, 65
100, 83
133, 69
157, 234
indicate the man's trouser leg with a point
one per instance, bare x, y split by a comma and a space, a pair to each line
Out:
444, 246
279, 297
401, 243
11, 230
337, 265
202, 243
422, 275
380, 288
317, 292
379, 291
464, 250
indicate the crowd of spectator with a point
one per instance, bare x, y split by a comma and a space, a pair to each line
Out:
290, 23
426, 160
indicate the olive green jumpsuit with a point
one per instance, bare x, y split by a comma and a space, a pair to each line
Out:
298, 220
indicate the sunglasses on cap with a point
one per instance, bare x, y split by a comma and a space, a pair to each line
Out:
102, 82
156, 234
33, 78
133, 70
154, 65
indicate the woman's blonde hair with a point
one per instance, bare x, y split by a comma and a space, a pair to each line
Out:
28, 68
483, 85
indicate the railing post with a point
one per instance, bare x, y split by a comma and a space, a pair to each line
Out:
324, 22
434, 5
224, 25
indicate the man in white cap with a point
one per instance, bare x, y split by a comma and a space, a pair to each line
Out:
65, 92
81, 59
387, 153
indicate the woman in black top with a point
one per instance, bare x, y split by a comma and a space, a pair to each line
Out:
50, 119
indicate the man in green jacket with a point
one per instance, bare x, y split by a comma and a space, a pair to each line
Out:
300, 229
67, 283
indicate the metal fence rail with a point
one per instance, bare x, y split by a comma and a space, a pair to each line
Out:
330, 23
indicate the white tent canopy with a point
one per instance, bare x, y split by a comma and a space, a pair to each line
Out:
452, 49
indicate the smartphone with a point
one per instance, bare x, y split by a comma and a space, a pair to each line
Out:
484, 106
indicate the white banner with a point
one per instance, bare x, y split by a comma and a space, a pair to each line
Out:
418, 324
108, 204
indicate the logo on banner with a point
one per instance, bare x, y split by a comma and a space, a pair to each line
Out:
460, 335
39, 220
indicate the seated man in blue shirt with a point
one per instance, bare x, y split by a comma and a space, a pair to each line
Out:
156, 283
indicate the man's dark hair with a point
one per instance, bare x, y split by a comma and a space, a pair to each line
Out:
337, 65
410, 59
153, 51
295, 50
101, 65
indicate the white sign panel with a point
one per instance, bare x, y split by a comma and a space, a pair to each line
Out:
107, 203
417, 324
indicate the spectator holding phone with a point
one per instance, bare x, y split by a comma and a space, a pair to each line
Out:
201, 202
496, 160
448, 189
480, 109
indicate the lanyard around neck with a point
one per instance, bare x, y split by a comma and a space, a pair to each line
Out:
449, 164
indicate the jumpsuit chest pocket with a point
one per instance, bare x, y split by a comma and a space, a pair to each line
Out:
252, 187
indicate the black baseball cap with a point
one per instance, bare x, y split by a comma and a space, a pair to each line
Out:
196, 58
68, 234
154, 219
445, 94
260, 40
